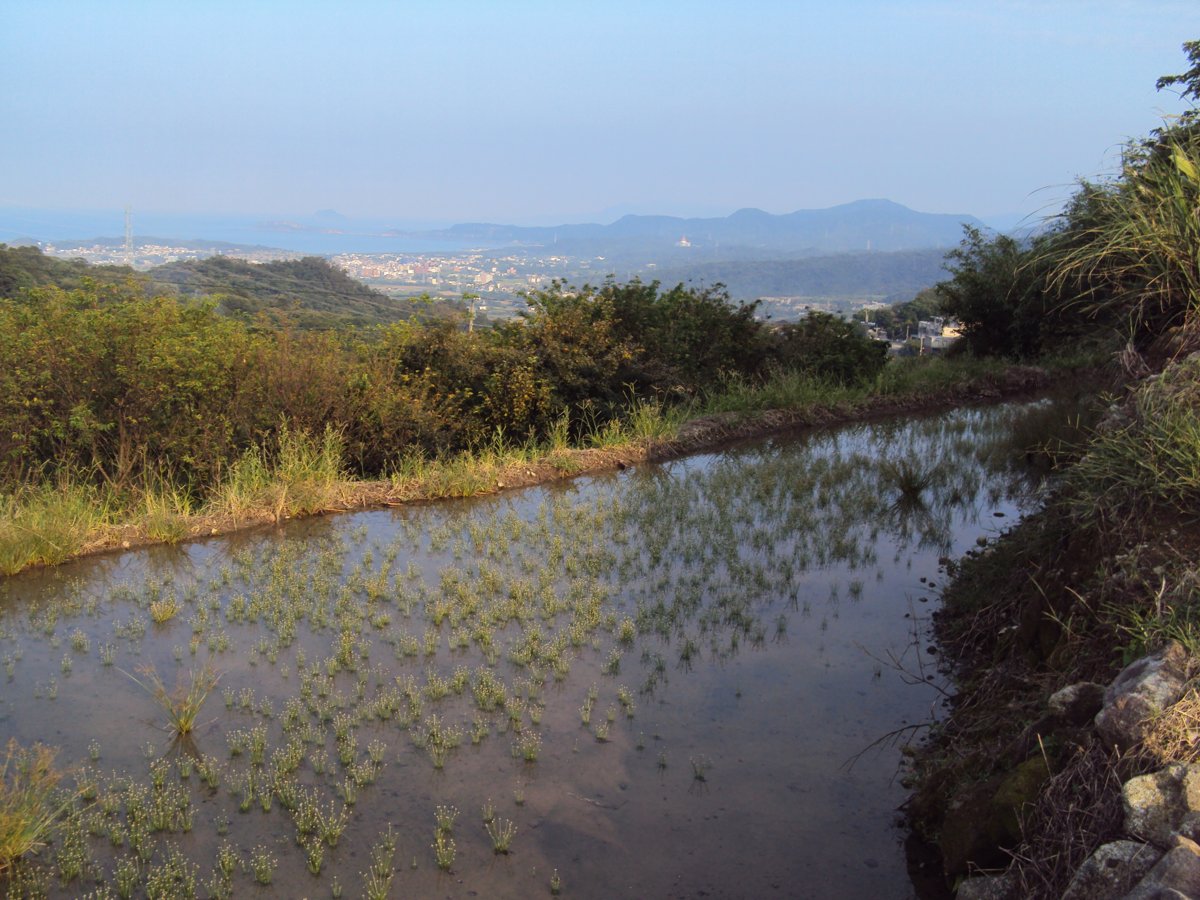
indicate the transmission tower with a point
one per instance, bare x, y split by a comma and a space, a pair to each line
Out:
128, 235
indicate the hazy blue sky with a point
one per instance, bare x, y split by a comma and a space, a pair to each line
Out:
532, 111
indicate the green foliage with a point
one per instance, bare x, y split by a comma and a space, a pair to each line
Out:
825, 346
688, 337
170, 405
28, 810
995, 292
1188, 82
309, 292
1153, 459
1133, 253
24, 268
900, 319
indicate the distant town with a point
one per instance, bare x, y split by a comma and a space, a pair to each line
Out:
498, 279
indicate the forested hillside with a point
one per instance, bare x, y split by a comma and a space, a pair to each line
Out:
316, 293
27, 267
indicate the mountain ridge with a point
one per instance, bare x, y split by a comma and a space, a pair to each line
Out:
868, 224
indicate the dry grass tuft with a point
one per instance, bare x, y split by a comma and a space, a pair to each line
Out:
1174, 736
1078, 810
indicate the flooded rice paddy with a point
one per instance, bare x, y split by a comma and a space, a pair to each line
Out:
667, 682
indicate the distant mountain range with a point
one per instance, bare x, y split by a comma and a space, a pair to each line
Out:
864, 225
748, 234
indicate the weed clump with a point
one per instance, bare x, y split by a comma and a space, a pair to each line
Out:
183, 704
28, 807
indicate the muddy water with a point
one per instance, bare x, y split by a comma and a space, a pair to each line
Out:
738, 629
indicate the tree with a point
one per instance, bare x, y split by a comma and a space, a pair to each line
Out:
1188, 82
995, 291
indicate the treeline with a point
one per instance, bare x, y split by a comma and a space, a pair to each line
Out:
120, 386
1120, 265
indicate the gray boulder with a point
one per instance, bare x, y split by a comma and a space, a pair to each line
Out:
1112, 870
987, 887
1163, 804
1176, 875
1143, 689
1077, 704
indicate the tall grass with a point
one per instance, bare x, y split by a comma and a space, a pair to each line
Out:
48, 523
781, 390
1154, 458
1140, 254
642, 419
304, 475
167, 512
922, 377
28, 808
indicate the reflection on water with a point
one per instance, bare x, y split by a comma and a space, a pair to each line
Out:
656, 678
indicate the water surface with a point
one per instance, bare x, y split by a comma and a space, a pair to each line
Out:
699, 660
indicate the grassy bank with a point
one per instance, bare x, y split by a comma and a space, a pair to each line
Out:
1105, 573
48, 522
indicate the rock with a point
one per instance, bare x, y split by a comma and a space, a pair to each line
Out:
1077, 703
986, 818
970, 833
1143, 689
1019, 789
987, 887
1112, 870
1162, 804
1177, 874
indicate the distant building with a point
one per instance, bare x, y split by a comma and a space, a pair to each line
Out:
937, 334
683, 242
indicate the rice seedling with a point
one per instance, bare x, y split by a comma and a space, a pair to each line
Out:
126, 877
502, 832
527, 746
262, 864
443, 850
445, 817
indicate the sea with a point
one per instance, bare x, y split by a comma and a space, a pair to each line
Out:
318, 234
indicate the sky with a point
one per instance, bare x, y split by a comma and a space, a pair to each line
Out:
535, 112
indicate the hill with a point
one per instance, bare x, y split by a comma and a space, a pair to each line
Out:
22, 268
317, 293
